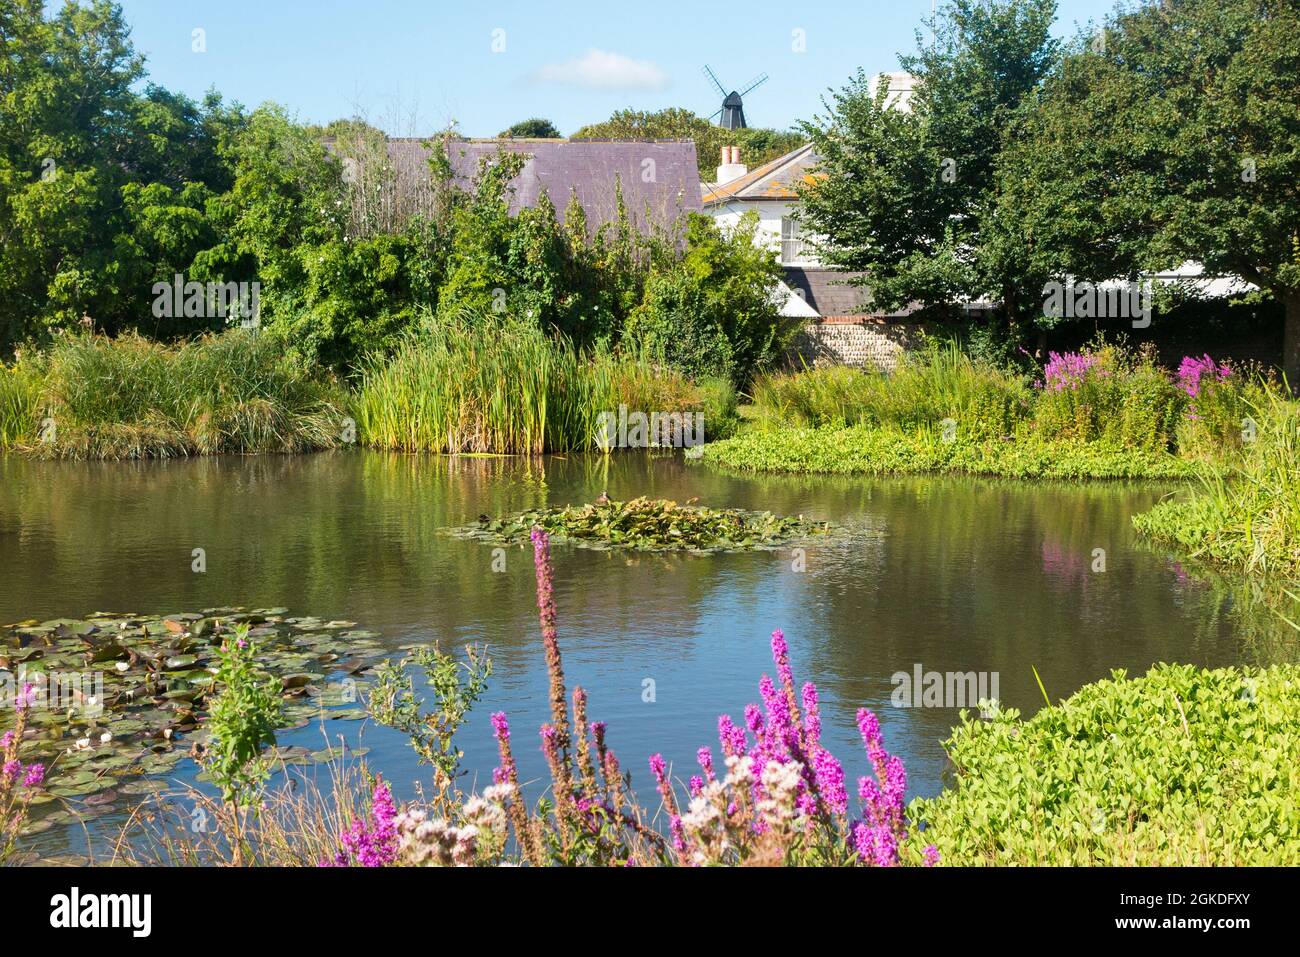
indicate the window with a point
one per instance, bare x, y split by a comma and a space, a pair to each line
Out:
791, 241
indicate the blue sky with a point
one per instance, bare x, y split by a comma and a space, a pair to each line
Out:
410, 66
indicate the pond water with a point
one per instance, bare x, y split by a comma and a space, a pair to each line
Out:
948, 574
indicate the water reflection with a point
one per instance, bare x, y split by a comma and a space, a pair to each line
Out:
956, 575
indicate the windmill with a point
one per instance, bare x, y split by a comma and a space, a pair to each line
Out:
732, 112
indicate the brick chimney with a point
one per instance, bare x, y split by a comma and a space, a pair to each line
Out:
731, 167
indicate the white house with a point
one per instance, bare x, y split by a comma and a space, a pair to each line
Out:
840, 324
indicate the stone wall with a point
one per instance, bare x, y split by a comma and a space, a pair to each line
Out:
854, 341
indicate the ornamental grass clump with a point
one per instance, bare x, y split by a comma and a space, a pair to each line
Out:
131, 398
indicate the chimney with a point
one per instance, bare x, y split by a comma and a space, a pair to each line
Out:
731, 168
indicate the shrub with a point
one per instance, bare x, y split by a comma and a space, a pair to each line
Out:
1108, 395
242, 718
712, 313
1182, 766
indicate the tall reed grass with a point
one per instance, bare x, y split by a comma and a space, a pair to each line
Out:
488, 386
936, 383
130, 398
20, 390
1248, 512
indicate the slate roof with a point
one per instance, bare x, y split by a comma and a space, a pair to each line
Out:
773, 180
591, 168
828, 292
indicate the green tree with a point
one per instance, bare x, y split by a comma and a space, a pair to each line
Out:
534, 128
1173, 134
905, 195
102, 189
757, 145
713, 313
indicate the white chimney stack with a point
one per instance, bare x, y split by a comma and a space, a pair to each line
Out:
732, 167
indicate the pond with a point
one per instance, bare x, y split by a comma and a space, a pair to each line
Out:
940, 574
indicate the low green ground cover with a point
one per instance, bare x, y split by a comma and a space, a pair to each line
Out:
1182, 766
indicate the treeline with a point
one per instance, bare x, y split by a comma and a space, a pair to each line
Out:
109, 190
1170, 133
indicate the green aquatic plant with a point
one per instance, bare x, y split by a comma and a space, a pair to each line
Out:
646, 524
865, 450
242, 717
122, 699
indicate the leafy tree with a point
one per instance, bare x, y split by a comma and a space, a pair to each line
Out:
1173, 135
713, 313
102, 189
905, 195
535, 128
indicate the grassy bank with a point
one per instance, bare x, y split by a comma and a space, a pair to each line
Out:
868, 450
1107, 412
480, 387
1247, 514
1180, 767
130, 398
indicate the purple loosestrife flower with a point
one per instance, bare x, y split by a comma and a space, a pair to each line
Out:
1068, 371
754, 719
931, 855
11, 769
35, 776
829, 775
372, 841
812, 721
705, 757
731, 737
25, 698
869, 727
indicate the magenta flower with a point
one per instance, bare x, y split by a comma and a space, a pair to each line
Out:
1067, 371
370, 841
35, 776
931, 855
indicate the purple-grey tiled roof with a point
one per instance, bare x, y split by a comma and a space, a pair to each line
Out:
659, 179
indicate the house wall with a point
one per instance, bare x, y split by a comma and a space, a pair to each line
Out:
857, 341
770, 213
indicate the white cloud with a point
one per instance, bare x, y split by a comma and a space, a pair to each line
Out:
599, 70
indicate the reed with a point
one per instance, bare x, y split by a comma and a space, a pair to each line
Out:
20, 388
936, 383
1247, 513
491, 386
131, 398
